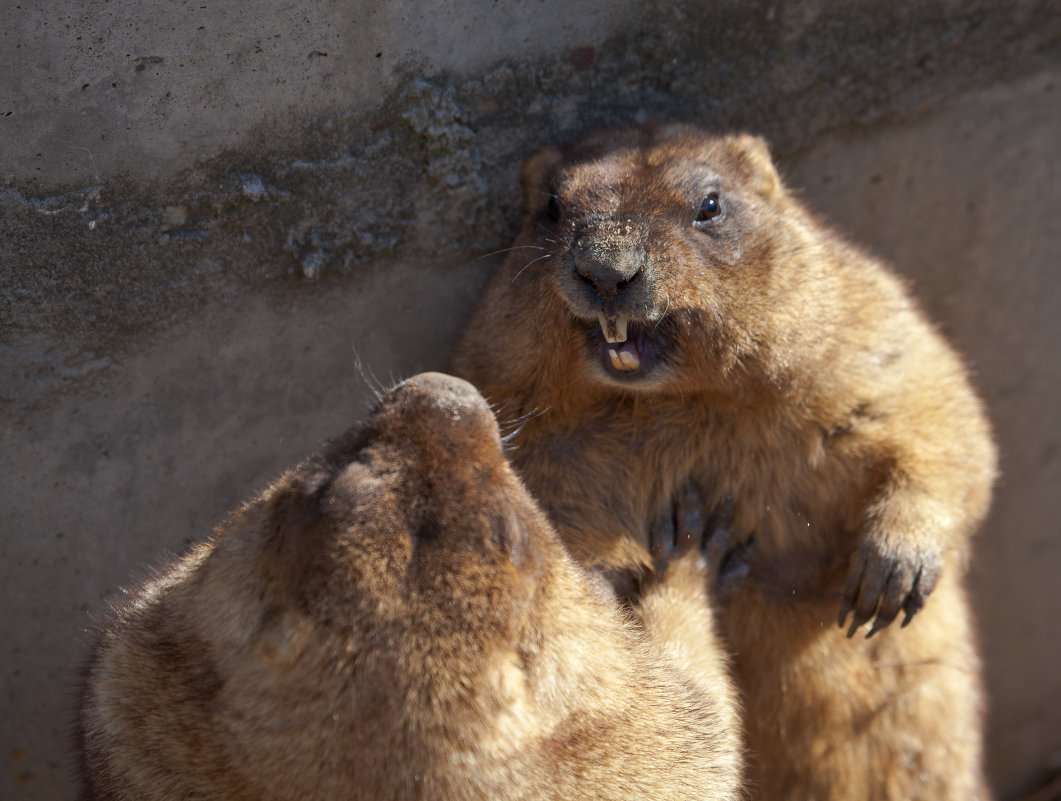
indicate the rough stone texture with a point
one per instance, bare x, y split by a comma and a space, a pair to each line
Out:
209, 208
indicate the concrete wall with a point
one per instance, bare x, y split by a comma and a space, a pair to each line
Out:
208, 209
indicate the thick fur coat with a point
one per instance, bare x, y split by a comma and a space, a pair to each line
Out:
670, 310
396, 619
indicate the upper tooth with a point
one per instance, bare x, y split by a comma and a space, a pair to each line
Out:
614, 328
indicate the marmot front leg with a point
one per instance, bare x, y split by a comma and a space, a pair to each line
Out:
898, 559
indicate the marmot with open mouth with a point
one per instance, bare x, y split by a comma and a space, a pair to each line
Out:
669, 310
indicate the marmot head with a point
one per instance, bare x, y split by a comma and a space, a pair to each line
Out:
394, 603
662, 247
392, 619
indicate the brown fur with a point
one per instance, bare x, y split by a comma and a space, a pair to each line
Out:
396, 619
787, 370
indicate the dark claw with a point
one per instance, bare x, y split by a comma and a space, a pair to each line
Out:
923, 584
734, 569
733, 563
896, 591
854, 579
869, 591
722, 518
857, 621
716, 543
677, 529
843, 614
912, 606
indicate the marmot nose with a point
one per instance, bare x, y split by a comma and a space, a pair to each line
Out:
607, 257
609, 271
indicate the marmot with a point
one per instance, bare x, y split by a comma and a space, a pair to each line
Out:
671, 310
397, 619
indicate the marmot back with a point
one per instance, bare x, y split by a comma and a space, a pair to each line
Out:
395, 618
670, 311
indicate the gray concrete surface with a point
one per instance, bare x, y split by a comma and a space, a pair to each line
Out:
209, 208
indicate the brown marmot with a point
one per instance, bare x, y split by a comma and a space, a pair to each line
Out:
671, 310
397, 619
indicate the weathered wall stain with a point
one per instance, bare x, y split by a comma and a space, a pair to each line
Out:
208, 211
428, 171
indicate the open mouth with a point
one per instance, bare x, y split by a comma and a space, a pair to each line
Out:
626, 348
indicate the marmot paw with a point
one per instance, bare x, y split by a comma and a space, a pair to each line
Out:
884, 579
683, 531
678, 531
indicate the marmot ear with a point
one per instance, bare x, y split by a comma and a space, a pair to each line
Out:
537, 174
290, 536
758, 167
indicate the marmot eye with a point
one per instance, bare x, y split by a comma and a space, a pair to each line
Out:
710, 208
554, 208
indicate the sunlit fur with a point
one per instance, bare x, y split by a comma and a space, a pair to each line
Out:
797, 377
395, 619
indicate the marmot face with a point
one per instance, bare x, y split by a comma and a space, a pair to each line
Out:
660, 245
